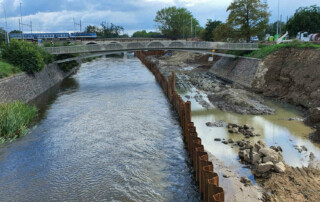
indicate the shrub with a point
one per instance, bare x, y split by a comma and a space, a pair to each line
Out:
14, 120
27, 56
68, 66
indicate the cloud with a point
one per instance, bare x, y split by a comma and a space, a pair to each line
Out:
57, 15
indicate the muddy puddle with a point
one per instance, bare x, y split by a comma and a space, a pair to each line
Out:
275, 130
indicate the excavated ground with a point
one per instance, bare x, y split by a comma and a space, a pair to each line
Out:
290, 75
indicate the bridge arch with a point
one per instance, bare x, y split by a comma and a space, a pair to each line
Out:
91, 43
155, 44
113, 46
135, 45
176, 44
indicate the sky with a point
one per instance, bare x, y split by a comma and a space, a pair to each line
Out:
133, 15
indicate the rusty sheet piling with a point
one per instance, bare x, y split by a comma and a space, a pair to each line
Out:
205, 176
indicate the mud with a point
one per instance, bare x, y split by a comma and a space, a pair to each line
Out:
296, 184
209, 91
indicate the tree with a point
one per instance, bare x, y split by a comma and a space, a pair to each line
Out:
176, 22
272, 28
249, 17
306, 19
15, 32
224, 32
105, 31
207, 33
145, 34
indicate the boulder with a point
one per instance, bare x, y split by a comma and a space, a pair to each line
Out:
256, 158
280, 167
265, 167
217, 139
314, 116
270, 155
230, 141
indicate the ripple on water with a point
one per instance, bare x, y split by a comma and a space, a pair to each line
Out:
112, 137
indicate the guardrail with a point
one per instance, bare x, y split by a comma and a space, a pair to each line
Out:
154, 45
205, 176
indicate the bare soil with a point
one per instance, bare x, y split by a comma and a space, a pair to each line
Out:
296, 184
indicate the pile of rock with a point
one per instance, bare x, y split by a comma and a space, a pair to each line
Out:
246, 130
263, 160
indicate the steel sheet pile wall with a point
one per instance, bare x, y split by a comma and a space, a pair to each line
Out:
207, 179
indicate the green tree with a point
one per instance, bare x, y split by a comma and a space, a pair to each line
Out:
305, 19
145, 34
272, 28
224, 32
249, 17
105, 31
27, 56
207, 33
175, 22
15, 32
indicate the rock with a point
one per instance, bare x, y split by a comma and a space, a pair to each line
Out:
224, 142
245, 181
270, 155
217, 139
241, 153
265, 167
216, 124
246, 127
217, 89
230, 130
304, 148
260, 144
311, 156
240, 143
235, 130
230, 141
188, 97
255, 158
280, 167
314, 116
226, 176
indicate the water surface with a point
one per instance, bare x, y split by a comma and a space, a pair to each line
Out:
108, 135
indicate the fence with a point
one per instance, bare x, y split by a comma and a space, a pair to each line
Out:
154, 45
205, 176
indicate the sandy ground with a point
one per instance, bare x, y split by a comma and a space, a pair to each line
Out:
296, 184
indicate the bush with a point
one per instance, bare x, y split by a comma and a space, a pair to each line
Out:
14, 120
27, 56
264, 51
68, 66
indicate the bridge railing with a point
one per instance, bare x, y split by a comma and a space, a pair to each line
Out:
153, 45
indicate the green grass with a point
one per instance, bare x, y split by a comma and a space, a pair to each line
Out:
15, 118
266, 50
7, 69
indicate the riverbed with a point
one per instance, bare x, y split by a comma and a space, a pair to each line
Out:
107, 133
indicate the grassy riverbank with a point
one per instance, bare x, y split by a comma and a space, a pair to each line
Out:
265, 50
7, 69
15, 118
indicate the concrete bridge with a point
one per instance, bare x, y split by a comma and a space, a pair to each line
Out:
106, 46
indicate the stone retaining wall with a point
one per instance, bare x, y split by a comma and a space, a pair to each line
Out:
239, 70
26, 87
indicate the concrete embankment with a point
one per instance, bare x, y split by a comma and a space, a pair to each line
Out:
206, 178
239, 70
26, 87
290, 74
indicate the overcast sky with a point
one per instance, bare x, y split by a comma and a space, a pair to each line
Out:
57, 15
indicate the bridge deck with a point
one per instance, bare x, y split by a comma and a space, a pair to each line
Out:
153, 45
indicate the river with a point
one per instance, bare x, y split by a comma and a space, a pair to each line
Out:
107, 134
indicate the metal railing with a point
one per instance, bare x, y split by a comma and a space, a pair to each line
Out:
153, 45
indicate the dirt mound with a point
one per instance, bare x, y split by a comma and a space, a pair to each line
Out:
296, 184
292, 75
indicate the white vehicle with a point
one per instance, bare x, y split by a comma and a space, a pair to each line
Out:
303, 36
254, 39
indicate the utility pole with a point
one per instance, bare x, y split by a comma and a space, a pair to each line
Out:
278, 17
280, 24
21, 21
77, 24
5, 17
191, 26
